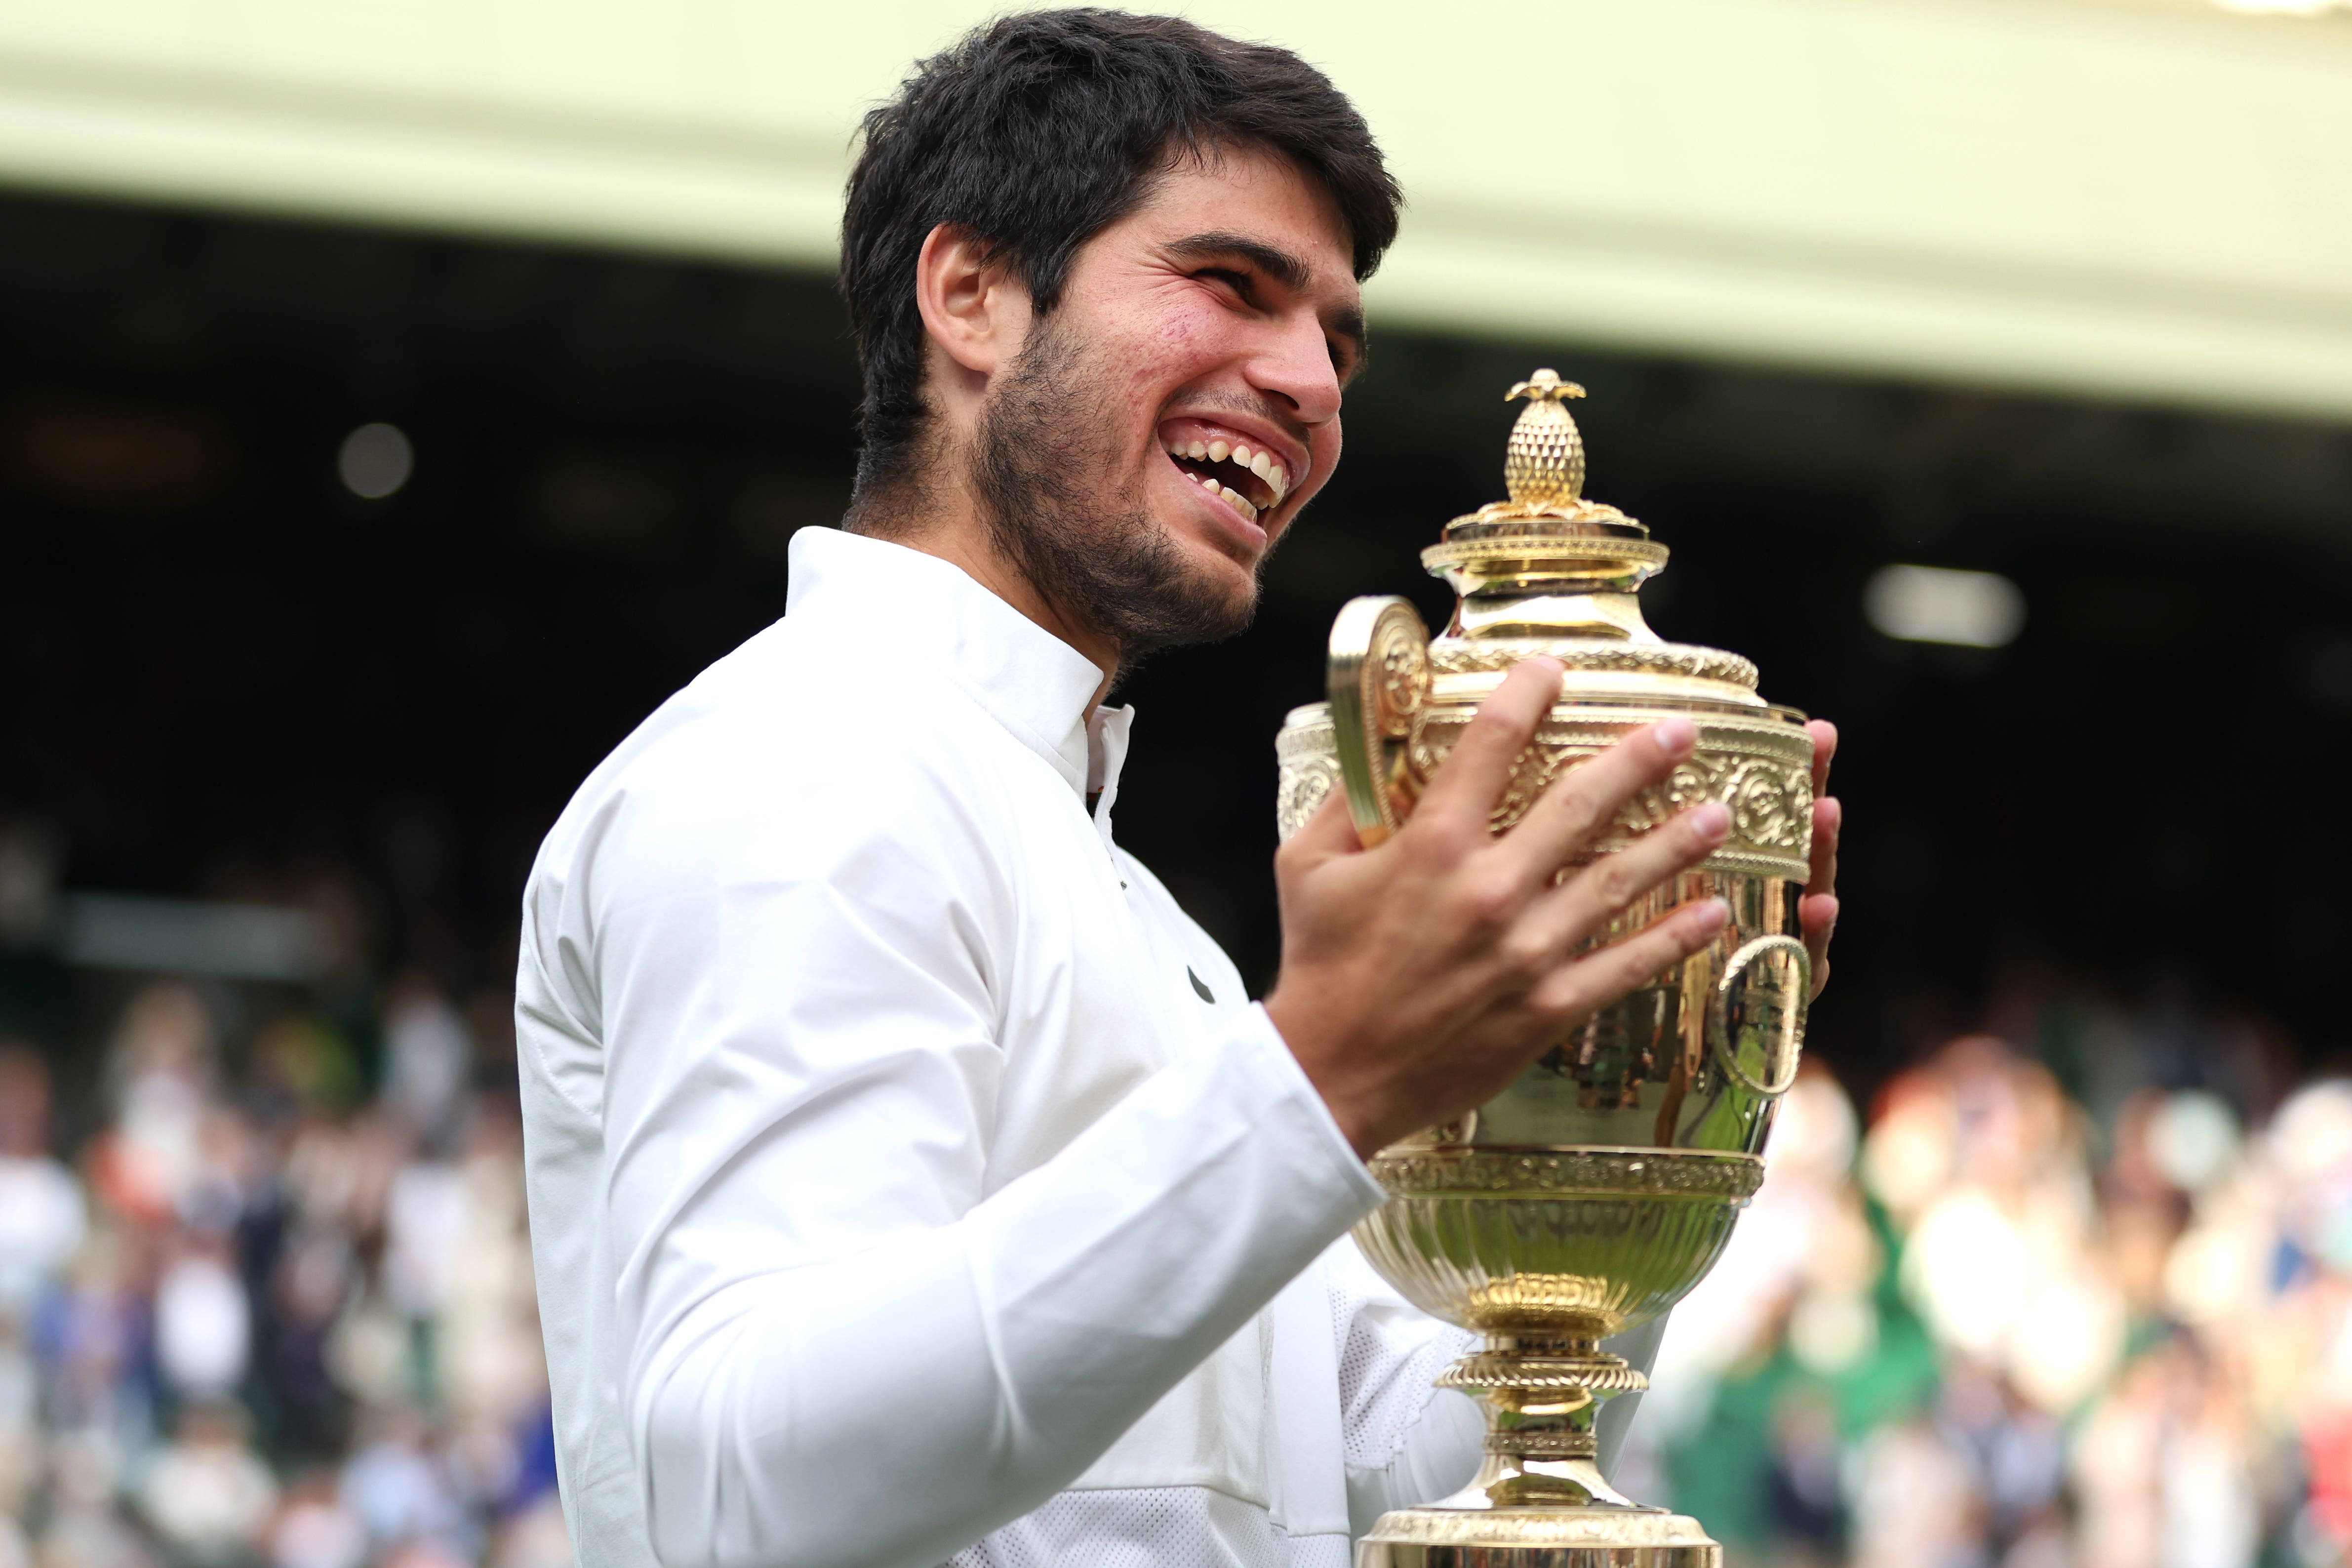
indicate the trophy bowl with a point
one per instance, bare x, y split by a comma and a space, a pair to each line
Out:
1588, 1197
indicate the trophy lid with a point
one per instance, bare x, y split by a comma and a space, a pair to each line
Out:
1552, 572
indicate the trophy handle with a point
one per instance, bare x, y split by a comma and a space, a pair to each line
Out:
1761, 997
1379, 684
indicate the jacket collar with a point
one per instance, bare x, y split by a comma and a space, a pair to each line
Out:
1028, 680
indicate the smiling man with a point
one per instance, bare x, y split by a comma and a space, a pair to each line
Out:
910, 1181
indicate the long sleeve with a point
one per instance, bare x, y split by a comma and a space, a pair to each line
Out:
846, 1339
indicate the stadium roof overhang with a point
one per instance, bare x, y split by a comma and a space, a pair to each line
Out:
2149, 199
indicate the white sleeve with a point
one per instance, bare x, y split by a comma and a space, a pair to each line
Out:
840, 1350
1409, 1442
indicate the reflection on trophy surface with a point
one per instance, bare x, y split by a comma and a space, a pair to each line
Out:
1591, 1195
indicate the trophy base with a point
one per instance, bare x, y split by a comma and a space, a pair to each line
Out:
1537, 1538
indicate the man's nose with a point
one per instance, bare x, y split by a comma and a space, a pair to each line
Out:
1295, 365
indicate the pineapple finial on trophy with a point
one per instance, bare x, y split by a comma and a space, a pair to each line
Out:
1545, 464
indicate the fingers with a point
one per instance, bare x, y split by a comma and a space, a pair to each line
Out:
1817, 912
1579, 805
1589, 900
1471, 779
1580, 989
1817, 915
1829, 817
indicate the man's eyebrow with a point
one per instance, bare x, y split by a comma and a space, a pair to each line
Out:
1279, 264
1276, 263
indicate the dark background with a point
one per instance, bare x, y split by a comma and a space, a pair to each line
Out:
226, 676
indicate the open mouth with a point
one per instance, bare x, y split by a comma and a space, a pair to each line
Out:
1248, 481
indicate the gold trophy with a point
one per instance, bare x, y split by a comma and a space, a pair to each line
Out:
1591, 1195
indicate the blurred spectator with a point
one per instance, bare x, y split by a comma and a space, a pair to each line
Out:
314, 1276
23, 1449
85, 1529
424, 1216
398, 1488
317, 1529
534, 1538
42, 1218
203, 1326
146, 1162
428, 1057
208, 1496
1912, 1500
90, 1334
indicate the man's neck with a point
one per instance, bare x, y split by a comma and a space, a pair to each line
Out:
943, 520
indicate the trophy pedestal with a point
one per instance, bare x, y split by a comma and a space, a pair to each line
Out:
1540, 1500
1591, 1537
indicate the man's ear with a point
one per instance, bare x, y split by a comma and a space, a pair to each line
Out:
973, 308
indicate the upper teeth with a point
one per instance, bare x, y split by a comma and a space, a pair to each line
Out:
1261, 464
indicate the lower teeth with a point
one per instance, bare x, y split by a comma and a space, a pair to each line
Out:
1225, 493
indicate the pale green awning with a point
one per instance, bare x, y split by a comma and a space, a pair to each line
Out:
2119, 197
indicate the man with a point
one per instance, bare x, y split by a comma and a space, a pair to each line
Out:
909, 1179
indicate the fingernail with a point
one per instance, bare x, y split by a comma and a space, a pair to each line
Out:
1676, 737
1709, 824
1710, 915
1828, 811
1551, 666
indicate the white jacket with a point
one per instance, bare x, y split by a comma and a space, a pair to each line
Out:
905, 1168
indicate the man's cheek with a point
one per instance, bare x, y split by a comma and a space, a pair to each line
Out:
1181, 339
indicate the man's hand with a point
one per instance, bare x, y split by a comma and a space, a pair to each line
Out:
1817, 912
1419, 977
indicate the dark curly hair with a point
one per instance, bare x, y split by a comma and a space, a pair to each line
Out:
1036, 133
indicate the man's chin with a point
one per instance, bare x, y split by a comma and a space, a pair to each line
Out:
1216, 576
1209, 550
1203, 596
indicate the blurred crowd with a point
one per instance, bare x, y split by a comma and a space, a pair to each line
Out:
258, 1316
2080, 1299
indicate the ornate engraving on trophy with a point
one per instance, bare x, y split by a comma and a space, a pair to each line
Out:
1402, 659
1307, 768
1768, 796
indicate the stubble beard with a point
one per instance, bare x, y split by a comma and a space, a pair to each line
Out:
1041, 469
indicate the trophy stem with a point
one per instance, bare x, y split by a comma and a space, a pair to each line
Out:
1543, 1396
1539, 1500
